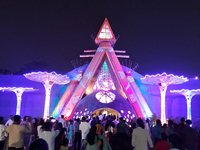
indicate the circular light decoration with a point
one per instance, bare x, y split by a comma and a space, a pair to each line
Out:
105, 97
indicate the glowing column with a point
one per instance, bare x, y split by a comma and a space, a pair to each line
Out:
188, 95
18, 91
48, 79
163, 80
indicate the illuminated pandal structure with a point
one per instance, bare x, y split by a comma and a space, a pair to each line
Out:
18, 91
163, 80
188, 95
47, 79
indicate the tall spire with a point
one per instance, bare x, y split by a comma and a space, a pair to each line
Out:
105, 34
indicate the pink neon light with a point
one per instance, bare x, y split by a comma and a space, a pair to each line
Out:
122, 56
86, 56
119, 51
88, 51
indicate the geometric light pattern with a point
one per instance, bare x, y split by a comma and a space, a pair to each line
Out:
18, 91
188, 95
48, 79
163, 80
104, 80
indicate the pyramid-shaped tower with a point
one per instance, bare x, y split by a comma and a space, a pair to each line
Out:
103, 84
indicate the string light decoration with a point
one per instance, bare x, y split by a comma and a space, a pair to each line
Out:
163, 80
48, 80
18, 91
188, 95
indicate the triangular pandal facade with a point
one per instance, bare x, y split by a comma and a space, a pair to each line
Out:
83, 84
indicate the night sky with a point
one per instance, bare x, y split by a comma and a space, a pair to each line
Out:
161, 36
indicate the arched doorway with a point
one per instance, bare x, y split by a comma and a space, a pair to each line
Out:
107, 111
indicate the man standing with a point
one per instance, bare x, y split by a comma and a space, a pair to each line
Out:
77, 134
157, 130
16, 134
2, 134
84, 127
48, 135
63, 121
121, 126
10, 121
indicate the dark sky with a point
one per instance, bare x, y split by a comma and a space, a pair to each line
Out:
158, 35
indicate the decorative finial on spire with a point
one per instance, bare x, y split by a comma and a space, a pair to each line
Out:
105, 34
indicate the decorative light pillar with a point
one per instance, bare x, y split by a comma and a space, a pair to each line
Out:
163, 80
48, 79
18, 91
188, 95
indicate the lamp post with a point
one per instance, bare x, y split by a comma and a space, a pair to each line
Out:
47, 79
18, 91
163, 80
188, 95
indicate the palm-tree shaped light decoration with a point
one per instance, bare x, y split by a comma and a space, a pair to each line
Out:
18, 91
163, 80
47, 79
188, 95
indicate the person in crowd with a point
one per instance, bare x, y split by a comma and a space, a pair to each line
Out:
10, 121
16, 133
100, 116
40, 124
92, 139
84, 128
70, 133
140, 137
133, 126
48, 135
121, 126
64, 145
175, 142
63, 121
190, 136
39, 144
2, 134
169, 130
77, 138
115, 120
99, 131
93, 122
163, 144
113, 128
60, 137
147, 124
157, 130
107, 130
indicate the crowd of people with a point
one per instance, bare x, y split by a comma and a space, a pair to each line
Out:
98, 133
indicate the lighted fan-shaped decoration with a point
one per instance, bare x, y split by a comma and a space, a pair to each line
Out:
105, 97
